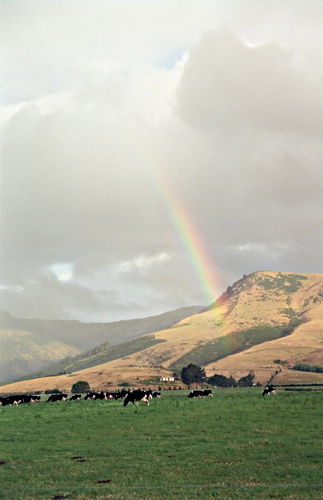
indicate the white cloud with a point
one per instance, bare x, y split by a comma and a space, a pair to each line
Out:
143, 262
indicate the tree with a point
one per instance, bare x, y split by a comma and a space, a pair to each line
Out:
247, 381
221, 381
80, 386
192, 373
233, 382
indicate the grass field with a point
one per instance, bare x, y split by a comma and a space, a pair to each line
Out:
236, 446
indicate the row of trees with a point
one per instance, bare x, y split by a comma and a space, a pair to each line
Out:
304, 367
193, 374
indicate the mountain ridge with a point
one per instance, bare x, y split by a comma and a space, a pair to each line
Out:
30, 345
261, 319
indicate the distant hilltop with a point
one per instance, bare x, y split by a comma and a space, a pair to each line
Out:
267, 322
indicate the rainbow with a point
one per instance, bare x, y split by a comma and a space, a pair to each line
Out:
189, 237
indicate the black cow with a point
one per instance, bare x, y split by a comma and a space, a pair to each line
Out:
91, 395
97, 395
123, 393
270, 389
111, 395
25, 398
15, 399
205, 393
57, 397
9, 400
137, 396
102, 395
115, 395
75, 397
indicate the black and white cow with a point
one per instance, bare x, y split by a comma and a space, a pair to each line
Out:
9, 400
137, 396
91, 395
116, 395
18, 399
26, 398
270, 389
75, 397
57, 397
204, 393
15, 399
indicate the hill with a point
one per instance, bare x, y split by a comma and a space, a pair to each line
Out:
266, 321
31, 345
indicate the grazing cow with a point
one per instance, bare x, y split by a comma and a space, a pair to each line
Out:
30, 399
270, 389
18, 399
111, 395
57, 397
91, 395
6, 401
137, 396
97, 395
15, 399
205, 393
75, 397
35, 398
102, 395
118, 395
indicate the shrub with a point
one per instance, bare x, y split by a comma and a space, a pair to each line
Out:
303, 367
221, 381
247, 381
80, 386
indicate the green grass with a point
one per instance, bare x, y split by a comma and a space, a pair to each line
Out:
236, 446
288, 283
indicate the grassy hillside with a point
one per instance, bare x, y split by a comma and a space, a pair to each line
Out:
235, 342
28, 346
262, 319
102, 354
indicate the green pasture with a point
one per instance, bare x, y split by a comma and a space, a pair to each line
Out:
237, 445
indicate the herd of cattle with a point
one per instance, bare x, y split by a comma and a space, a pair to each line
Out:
129, 396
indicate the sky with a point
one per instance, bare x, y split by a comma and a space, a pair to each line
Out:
155, 151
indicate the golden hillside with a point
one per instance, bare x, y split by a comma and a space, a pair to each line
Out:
266, 322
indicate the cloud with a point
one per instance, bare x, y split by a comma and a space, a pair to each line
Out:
222, 101
228, 84
143, 263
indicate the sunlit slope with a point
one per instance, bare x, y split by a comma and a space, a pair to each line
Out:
277, 357
139, 366
262, 318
